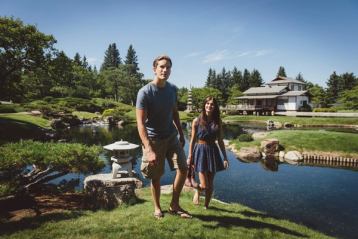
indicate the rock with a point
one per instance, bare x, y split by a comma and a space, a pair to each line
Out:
293, 156
104, 192
259, 135
269, 146
281, 156
248, 154
288, 125
35, 112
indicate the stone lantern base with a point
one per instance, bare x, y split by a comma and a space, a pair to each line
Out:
106, 192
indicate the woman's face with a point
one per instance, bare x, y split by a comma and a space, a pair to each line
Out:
209, 107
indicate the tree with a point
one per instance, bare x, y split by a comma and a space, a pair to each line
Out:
46, 161
256, 79
77, 59
245, 83
22, 48
349, 98
132, 60
234, 92
200, 94
236, 77
318, 96
111, 57
299, 77
211, 78
333, 87
281, 72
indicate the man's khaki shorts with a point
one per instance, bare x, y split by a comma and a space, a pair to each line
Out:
169, 149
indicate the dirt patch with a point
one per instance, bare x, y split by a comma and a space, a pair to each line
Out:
15, 209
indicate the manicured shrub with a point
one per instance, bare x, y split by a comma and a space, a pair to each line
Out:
245, 138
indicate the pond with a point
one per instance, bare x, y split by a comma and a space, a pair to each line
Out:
321, 198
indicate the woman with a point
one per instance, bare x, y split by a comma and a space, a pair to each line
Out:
205, 155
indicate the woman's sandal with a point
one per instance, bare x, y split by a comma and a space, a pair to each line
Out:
180, 212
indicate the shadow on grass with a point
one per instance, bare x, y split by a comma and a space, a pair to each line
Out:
35, 222
226, 221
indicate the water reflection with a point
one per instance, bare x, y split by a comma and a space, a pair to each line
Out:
311, 193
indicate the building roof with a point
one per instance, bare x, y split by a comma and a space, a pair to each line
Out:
248, 97
294, 93
269, 90
284, 80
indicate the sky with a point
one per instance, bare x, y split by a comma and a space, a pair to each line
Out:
311, 37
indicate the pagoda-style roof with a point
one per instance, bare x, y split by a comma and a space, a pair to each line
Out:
285, 80
295, 93
267, 90
250, 97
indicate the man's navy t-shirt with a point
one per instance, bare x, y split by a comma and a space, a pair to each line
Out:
159, 104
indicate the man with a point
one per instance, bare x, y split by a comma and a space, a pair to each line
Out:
158, 125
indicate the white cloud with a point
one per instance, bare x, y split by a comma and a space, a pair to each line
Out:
216, 56
194, 54
221, 55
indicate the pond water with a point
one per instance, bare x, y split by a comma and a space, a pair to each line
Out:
321, 198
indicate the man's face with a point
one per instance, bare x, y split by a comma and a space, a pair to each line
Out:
162, 70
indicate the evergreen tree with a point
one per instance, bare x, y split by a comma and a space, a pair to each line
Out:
333, 87
245, 83
211, 78
236, 77
299, 77
77, 59
84, 62
256, 79
111, 57
132, 60
281, 72
348, 81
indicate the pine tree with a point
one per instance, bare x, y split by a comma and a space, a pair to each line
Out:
77, 59
245, 83
256, 79
236, 77
84, 62
281, 72
111, 57
333, 87
210, 80
299, 77
132, 60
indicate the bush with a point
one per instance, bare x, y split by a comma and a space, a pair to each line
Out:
11, 108
305, 108
245, 138
325, 110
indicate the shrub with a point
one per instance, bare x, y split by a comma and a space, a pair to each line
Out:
325, 110
245, 138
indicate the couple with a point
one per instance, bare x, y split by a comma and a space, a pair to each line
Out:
158, 125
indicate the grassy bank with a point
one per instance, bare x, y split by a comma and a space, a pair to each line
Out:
25, 119
136, 221
293, 120
345, 144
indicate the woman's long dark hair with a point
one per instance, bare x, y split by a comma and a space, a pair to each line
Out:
203, 119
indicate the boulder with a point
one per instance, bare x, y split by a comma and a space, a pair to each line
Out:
102, 191
248, 154
293, 156
269, 146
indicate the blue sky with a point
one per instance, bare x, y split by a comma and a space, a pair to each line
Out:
314, 37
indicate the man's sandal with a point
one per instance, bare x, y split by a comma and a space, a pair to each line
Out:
180, 212
158, 215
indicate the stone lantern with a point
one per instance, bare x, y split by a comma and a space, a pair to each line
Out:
122, 160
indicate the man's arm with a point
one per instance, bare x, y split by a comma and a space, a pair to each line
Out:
177, 124
141, 115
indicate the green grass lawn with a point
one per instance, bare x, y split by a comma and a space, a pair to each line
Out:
294, 120
136, 221
27, 119
312, 140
